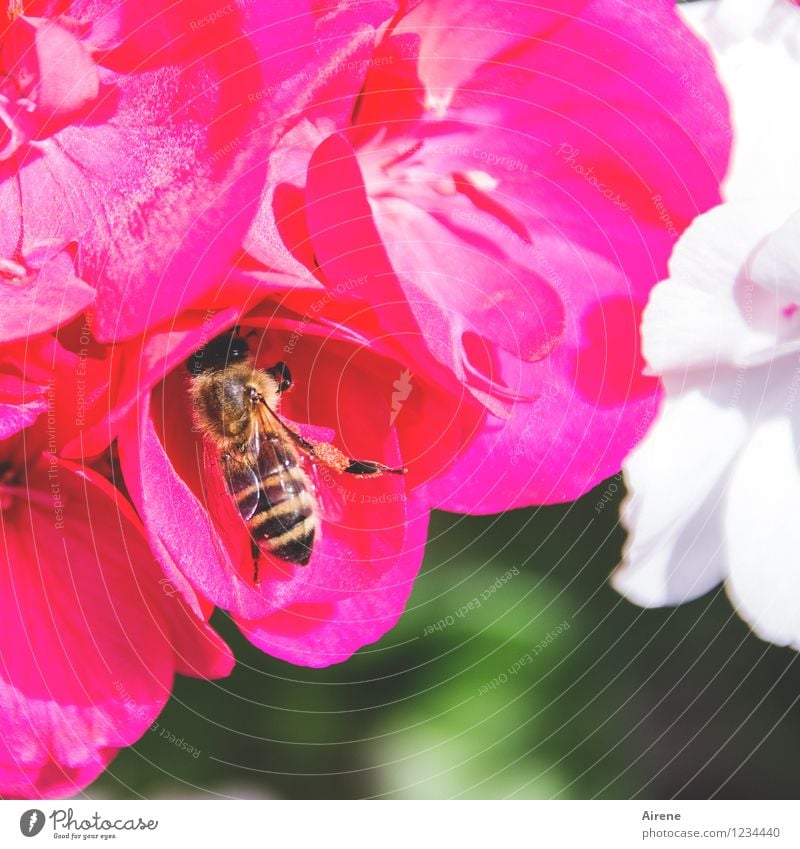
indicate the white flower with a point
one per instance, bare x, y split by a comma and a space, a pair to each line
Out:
756, 46
715, 485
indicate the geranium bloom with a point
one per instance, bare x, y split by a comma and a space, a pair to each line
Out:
129, 157
498, 190
466, 209
373, 531
92, 635
715, 484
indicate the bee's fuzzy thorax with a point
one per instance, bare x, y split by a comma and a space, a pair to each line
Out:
222, 406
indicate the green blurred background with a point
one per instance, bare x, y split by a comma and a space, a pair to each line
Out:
623, 703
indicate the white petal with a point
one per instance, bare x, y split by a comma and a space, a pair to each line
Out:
676, 479
734, 21
698, 14
776, 265
763, 529
757, 56
756, 48
708, 312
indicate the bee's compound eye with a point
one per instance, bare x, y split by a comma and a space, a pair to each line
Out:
283, 377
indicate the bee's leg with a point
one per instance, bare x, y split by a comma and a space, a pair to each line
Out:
256, 552
334, 459
369, 467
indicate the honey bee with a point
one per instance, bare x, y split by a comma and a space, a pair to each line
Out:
235, 404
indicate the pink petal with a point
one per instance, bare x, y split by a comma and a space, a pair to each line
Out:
51, 780
158, 202
591, 404
181, 534
66, 375
53, 69
414, 291
39, 292
319, 634
14, 417
637, 125
458, 36
315, 56
138, 365
21, 403
90, 641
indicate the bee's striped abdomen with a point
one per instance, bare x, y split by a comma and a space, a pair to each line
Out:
283, 523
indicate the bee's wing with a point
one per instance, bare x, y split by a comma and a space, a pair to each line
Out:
219, 500
327, 488
243, 485
330, 490
277, 452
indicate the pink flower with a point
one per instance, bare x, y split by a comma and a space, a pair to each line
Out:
92, 634
451, 256
373, 529
92, 631
66, 374
129, 158
499, 188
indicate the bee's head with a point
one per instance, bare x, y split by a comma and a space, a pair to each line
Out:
218, 353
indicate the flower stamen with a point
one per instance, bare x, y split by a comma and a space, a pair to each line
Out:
15, 9
14, 273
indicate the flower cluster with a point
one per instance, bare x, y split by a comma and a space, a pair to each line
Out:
445, 218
